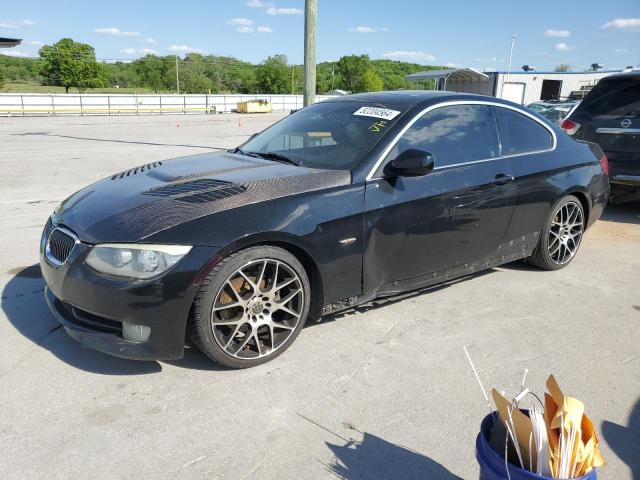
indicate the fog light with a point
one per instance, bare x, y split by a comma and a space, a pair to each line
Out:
135, 333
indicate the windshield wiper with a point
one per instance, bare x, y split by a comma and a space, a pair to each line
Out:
238, 150
275, 156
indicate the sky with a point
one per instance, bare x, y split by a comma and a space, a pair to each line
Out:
463, 33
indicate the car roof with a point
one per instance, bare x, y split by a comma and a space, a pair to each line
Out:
397, 100
617, 76
405, 100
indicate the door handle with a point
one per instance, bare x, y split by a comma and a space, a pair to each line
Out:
502, 179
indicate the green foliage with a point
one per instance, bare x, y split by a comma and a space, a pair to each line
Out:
563, 67
274, 75
156, 73
2, 77
371, 82
71, 64
351, 69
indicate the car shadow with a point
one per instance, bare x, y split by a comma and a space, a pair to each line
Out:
24, 306
625, 441
623, 213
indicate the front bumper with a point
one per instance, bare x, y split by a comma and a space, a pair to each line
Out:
92, 306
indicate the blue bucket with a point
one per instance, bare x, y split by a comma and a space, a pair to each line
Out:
492, 463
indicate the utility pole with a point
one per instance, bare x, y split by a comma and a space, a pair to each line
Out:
310, 20
513, 41
177, 77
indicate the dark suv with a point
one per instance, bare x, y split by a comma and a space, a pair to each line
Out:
610, 116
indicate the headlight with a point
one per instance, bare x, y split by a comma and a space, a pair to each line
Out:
135, 261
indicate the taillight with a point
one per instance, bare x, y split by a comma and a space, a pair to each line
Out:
604, 161
569, 126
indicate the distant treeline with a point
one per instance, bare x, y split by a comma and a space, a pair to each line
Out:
73, 65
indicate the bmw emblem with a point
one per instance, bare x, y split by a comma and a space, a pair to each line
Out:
626, 123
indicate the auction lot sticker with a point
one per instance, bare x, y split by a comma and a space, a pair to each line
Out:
377, 112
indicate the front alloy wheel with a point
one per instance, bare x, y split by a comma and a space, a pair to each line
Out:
251, 307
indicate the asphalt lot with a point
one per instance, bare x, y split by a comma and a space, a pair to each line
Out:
384, 392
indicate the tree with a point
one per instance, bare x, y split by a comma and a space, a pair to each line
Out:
157, 73
2, 77
192, 77
351, 69
563, 67
274, 75
371, 82
70, 64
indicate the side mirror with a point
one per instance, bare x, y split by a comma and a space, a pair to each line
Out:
411, 163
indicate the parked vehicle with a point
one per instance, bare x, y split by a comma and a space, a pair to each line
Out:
344, 201
554, 110
610, 117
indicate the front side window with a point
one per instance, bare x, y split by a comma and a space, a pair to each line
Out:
520, 134
332, 135
453, 135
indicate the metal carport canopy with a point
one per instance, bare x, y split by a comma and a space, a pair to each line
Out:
468, 74
9, 42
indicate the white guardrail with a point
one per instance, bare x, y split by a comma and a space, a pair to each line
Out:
50, 104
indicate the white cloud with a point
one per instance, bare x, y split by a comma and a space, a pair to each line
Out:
240, 21
22, 23
409, 56
244, 29
116, 32
149, 41
453, 65
283, 11
623, 23
259, 4
621, 50
35, 42
563, 47
264, 29
185, 49
16, 53
141, 51
550, 32
368, 29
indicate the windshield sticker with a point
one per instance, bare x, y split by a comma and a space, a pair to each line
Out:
377, 113
378, 126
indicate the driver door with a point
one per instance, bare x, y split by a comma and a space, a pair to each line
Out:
423, 229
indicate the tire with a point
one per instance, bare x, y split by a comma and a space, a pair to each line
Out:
561, 235
242, 316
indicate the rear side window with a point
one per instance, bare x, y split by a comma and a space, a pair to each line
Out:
520, 134
617, 98
455, 134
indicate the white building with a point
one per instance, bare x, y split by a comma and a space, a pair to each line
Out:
519, 87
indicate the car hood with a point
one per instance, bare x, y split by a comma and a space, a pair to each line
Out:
131, 205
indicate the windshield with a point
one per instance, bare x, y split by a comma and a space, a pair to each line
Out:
330, 135
554, 113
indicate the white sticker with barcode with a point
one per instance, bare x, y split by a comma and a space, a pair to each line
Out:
377, 112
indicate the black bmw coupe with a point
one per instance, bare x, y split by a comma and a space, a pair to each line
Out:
344, 201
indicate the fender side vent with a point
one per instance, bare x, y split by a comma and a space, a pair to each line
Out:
136, 170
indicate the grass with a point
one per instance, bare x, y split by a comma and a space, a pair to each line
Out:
35, 88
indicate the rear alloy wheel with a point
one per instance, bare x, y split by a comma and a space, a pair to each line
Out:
252, 307
562, 235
